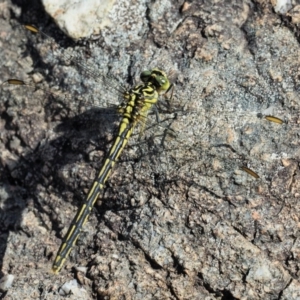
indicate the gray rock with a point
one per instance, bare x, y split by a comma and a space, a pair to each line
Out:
179, 219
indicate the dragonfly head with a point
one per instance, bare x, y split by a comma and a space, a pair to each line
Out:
158, 78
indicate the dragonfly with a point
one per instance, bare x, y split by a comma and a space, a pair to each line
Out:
136, 104
134, 109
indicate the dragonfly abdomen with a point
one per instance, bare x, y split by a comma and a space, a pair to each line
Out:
125, 130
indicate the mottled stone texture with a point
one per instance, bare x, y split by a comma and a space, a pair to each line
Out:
178, 219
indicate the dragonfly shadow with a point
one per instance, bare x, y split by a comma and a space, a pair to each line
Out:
33, 184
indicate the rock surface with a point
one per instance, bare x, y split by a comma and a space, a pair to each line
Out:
178, 219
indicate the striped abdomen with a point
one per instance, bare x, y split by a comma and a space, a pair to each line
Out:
125, 130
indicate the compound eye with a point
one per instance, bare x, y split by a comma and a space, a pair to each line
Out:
157, 72
145, 75
160, 80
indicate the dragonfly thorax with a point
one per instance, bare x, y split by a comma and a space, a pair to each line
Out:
138, 101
